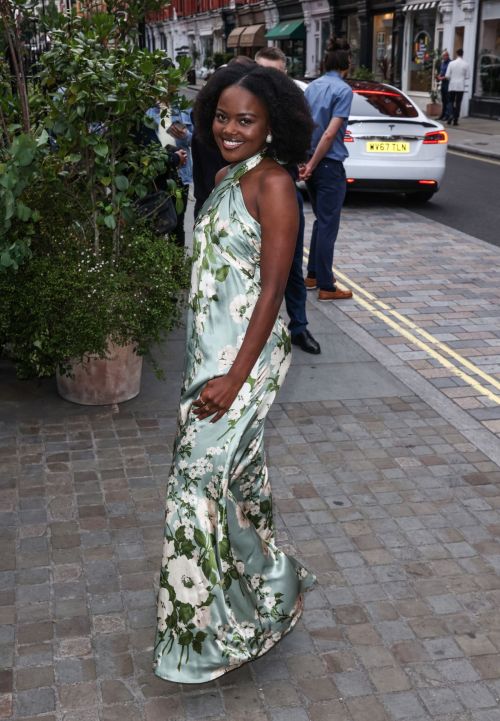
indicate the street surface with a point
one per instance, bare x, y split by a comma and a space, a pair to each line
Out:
384, 457
469, 199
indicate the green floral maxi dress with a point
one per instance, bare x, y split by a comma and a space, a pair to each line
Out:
227, 593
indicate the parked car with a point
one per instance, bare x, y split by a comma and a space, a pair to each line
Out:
393, 146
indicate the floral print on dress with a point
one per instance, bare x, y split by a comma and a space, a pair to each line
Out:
227, 593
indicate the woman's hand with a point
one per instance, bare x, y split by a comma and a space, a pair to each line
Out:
216, 398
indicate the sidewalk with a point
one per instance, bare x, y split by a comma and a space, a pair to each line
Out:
379, 487
478, 136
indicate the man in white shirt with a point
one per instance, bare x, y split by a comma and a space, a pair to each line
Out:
457, 74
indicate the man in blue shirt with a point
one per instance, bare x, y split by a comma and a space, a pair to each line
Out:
329, 99
441, 76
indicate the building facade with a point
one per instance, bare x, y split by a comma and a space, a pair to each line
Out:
397, 41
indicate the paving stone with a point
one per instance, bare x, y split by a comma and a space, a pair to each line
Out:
440, 701
367, 708
475, 696
35, 701
203, 705
353, 683
405, 705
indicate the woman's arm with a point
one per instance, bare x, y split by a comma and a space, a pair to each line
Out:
277, 212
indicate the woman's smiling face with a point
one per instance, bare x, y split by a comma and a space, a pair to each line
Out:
240, 124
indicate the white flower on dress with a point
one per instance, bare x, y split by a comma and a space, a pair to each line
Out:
243, 521
241, 401
266, 405
207, 514
207, 284
241, 308
255, 581
276, 358
240, 567
226, 357
222, 225
164, 609
188, 581
168, 551
202, 617
214, 451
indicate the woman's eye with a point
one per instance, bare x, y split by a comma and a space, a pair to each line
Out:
245, 121
220, 117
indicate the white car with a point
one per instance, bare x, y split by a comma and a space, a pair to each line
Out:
393, 146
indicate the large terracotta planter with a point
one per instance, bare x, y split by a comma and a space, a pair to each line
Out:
433, 109
103, 381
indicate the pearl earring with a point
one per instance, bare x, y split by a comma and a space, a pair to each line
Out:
269, 138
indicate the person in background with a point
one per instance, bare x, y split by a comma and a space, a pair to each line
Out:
182, 130
441, 76
295, 292
329, 99
457, 73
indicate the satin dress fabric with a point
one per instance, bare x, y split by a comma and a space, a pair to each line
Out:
227, 593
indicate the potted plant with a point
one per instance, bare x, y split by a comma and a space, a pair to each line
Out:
433, 108
83, 278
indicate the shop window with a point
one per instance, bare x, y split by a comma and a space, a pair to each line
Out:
422, 50
382, 46
295, 57
353, 38
488, 62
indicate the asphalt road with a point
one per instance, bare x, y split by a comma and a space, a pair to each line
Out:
469, 199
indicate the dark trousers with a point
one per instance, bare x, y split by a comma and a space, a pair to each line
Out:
295, 291
327, 189
445, 99
455, 103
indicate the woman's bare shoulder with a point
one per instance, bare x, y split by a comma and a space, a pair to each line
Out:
221, 174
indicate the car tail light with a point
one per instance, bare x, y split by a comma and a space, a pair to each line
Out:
350, 180
428, 182
348, 137
435, 137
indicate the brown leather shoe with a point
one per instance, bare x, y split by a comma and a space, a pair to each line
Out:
310, 283
338, 294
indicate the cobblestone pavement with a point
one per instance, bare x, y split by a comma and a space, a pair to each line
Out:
395, 511
438, 285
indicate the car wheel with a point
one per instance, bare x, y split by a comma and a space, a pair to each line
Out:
422, 196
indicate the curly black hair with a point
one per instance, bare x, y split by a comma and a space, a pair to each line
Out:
289, 115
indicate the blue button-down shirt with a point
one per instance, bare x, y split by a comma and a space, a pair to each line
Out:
329, 97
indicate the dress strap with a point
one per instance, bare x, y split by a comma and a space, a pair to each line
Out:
239, 169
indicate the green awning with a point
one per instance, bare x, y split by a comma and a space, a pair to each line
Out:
289, 30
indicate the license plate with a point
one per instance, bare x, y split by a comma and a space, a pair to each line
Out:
387, 146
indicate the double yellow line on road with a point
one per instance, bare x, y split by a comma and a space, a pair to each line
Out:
411, 331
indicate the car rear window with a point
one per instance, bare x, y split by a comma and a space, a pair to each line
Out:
384, 103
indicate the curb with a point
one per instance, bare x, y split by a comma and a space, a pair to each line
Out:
468, 150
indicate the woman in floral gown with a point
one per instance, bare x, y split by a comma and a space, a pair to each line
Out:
227, 593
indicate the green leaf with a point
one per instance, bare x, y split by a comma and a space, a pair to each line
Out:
186, 638
186, 612
110, 221
101, 149
200, 538
42, 138
5, 259
221, 273
9, 204
23, 212
121, 182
